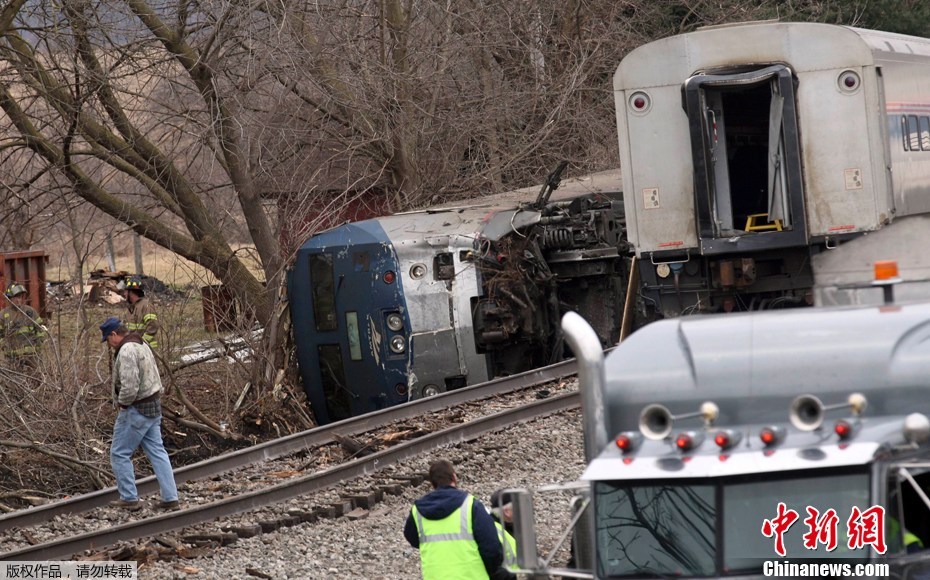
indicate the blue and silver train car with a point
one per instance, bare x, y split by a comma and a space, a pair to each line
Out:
748, 149
411, 305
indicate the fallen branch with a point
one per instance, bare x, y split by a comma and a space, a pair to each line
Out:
58, 456
177, 418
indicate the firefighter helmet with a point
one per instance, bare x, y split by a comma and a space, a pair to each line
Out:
134, 284
15, 290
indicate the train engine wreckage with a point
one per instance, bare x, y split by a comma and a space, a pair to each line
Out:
409, 305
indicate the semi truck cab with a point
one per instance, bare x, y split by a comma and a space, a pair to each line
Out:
776, 444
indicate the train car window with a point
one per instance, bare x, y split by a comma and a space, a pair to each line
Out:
333, 379
324, 292
925, 133
913, 133
355, 345
904, 140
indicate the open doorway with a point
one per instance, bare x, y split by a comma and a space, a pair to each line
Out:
744, 141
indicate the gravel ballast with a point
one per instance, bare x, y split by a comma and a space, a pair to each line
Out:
541, 452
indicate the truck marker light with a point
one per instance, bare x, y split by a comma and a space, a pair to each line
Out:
772, 435
689, 440
388, 277
628, 441
843, 429
627, 460
624, 443
727, 438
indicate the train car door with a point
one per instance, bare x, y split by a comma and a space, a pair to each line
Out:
745, 147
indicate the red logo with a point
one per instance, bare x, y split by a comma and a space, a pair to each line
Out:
778, 525
867, 528
821, 529
863, 528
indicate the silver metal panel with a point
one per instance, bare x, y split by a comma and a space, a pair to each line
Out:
435, 356
434, 311
905, 82
466, 276
843, 276
837, 152
659, 180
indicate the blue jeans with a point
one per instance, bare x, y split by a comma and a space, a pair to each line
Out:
132, 429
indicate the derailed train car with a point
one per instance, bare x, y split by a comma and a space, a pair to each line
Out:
410, 305
750, 148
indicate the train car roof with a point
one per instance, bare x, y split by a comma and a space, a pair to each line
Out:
472, 216
753, 365
805, 46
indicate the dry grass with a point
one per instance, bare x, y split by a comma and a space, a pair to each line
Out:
158, 262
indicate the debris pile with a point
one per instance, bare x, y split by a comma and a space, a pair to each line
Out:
104, 286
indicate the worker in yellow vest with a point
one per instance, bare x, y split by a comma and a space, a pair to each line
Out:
453, 531
502, 512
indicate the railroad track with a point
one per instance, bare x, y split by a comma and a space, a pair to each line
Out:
301, 485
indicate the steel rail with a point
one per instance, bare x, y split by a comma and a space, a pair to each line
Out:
293, 443
59, 549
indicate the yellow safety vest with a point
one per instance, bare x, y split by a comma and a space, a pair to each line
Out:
509, 543
910, 538
447, 546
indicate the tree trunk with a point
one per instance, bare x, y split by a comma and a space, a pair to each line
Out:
137, 253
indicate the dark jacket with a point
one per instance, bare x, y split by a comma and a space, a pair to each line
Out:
441, 502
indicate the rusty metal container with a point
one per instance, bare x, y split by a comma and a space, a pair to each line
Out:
220, 308
26, 267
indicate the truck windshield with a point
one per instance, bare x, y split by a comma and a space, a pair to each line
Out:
713, 527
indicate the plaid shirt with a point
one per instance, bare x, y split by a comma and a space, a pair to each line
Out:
149, 408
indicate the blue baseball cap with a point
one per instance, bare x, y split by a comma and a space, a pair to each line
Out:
108, 326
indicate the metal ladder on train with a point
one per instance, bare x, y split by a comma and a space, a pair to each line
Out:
753, 223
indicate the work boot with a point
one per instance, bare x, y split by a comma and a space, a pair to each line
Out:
168, 505
127, 504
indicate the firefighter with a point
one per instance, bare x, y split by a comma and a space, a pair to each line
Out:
21, 330
142, 318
